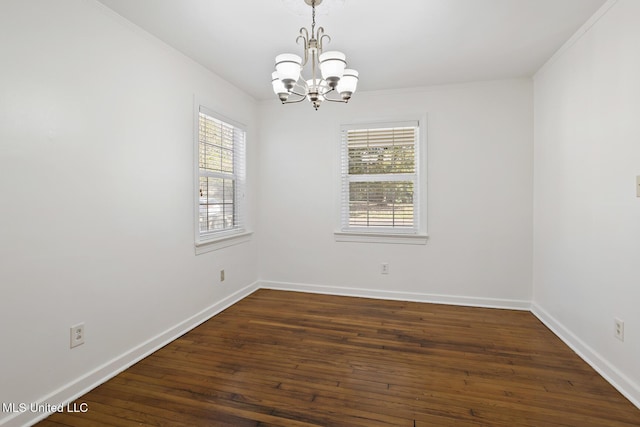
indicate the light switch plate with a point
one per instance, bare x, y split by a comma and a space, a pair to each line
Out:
638, 185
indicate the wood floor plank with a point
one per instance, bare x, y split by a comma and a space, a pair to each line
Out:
302, 360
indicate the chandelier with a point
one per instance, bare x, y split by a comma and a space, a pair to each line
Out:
336, 83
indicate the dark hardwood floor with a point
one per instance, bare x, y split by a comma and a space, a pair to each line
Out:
295, 359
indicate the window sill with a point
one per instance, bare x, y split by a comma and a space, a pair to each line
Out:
392, 238
222, 242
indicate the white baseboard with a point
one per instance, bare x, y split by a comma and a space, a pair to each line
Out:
621, 382
399, 296
79, 387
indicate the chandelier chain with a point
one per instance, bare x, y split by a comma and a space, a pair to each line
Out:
313, 18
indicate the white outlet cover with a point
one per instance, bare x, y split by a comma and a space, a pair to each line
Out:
76, 335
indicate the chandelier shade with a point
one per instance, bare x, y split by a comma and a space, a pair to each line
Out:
288, 67
278, 87
336, 83
332, 65
348, 83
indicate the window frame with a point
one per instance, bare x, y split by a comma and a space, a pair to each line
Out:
416, 235
214, 240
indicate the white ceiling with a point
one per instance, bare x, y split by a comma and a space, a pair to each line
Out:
393, 44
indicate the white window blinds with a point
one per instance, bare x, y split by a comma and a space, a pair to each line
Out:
221, 176
380, 178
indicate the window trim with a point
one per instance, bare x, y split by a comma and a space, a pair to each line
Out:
413, 236
211, 241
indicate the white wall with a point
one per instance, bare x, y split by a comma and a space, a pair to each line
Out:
479, 197
587, 215
96, 193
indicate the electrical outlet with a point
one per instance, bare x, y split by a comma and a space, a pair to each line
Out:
619, 329
222, 275
76, 335
384, 268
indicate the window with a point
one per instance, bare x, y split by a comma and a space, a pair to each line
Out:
380, 179
220, 178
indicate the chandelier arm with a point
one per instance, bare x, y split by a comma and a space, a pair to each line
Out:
301, 84
300, 88
329, 91
321, 36
298, 93
304, 36
327, 98
295, 101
